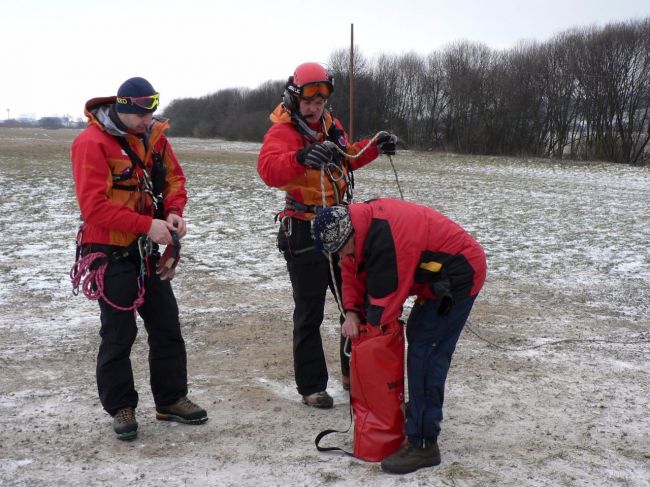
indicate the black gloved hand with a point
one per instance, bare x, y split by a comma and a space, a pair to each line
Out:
444, 299
387, 144
315, 156
445, 304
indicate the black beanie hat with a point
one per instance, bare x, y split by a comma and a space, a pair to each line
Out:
134, 88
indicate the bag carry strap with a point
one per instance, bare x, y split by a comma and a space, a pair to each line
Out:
324, 433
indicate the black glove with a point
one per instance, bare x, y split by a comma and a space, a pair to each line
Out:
315, 156
445, 303
444, 299
387, 144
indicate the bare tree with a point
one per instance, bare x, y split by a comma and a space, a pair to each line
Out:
561, 97
466, 67
583, 94
435, 101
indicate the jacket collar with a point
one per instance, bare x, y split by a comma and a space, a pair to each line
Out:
281, 115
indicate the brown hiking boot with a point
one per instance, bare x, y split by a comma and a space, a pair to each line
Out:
124, 424
182, 411
318, 400
345, 380
409, 458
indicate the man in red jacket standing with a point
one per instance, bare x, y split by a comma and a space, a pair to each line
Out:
301, 155
131, 192
390, 250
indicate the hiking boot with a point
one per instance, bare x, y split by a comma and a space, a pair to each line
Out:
345, 380
409, 458
318, 400
124, 424
182, 411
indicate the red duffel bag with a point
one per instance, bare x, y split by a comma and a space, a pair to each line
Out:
377, 393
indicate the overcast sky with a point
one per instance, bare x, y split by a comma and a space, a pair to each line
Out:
55, 55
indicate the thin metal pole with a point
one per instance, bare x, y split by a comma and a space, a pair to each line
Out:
351, 124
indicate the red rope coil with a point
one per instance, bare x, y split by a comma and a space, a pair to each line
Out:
92, 284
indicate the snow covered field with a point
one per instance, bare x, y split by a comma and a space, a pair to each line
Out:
568, 294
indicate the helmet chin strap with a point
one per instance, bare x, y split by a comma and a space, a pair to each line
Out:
303, 127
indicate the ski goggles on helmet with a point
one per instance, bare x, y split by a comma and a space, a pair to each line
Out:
321, 89
146, 102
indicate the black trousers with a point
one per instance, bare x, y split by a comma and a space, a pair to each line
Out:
167, 355
310, 275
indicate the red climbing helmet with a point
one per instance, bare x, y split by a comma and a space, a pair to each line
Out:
309, 80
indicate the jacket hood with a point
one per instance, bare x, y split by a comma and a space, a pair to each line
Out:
97, 112
280, 115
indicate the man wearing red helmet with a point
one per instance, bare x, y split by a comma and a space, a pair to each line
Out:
302, 155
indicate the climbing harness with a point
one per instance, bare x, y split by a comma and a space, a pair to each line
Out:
337, 172
150, 183
88, 270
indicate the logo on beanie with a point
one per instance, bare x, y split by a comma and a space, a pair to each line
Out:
136, 95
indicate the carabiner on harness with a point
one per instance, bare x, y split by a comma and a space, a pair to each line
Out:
145, 249
286, 227
145, 183
77, 258
145, 246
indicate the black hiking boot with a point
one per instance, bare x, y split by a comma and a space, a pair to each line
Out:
182, 411
124, 424
409, 458
320, 400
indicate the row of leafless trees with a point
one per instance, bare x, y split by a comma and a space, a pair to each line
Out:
585, 94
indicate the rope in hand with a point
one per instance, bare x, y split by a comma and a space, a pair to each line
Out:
335, 147
93, 284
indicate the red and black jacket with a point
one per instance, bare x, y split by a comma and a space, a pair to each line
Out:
403, 249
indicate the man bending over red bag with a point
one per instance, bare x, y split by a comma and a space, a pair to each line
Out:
390, 250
